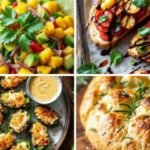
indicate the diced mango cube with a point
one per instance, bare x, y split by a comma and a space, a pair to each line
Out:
21, 8
63, 72
4, 69
45, 56
69, 31
69, 21
68, 50
49, 28
33, 3
60, 22
51, 6
44, 69
24, 71
56, 62
59, 33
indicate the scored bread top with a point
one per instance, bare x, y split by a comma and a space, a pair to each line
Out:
115, 114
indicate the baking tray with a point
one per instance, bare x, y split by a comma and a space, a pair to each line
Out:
89, 52
57, 133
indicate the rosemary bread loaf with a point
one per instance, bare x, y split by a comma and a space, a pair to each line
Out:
115, 112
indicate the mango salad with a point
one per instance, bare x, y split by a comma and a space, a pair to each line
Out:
36, 36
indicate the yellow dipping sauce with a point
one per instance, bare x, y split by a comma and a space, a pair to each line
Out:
44, 88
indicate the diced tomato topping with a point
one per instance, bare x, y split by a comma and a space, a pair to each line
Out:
141, 13
36, 47
15, 4
104, 36
16, 26
62, 46
148, 24
98, 14
120, 32
109, 19
102, 29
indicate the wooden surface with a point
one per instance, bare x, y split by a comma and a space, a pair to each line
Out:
82, 141
69, 140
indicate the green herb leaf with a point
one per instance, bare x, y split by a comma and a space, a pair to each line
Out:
35, 26
103, 18
141, 3
8, 16
27, 25
116, 57
144, 31
7, 36
88, 68
23, 42
141, 90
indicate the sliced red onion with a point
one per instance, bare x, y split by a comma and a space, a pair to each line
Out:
22, 65
14, 66
2, 60
57, 52
14, 51
51, 18
34, 13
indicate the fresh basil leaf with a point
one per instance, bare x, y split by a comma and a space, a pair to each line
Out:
116, 57
144, 31
88, 68
141, 3
103, 18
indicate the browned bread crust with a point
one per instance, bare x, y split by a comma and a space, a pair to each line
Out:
104, 126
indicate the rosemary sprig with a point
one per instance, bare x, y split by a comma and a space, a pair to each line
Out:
130, 108
134, 103
141, 90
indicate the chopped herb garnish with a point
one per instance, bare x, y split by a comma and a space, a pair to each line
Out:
103, 18
141, 3
144, 31
141, 90
130, 107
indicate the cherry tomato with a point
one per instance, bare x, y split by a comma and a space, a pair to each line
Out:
15, 4
102, 29
148, 24
141, 13
62, 46
36, 47
109, 19
98, 14
104, 36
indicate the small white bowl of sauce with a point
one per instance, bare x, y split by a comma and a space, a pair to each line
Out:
44, 89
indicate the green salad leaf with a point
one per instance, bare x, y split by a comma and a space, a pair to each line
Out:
141, 3
116, 57
88, 68
144, 31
